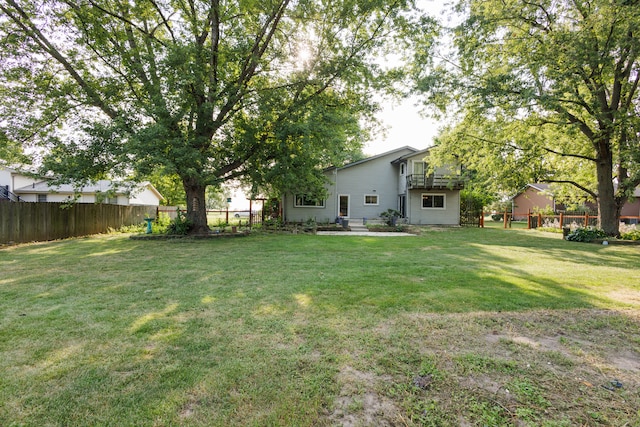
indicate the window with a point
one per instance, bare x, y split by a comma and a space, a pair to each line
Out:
42, 198
433, 201
308, 202
112, 200
371, 199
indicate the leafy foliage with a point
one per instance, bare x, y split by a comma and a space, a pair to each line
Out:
390, 216
180, 225
546, 91
586, 234
267, 93
629, 232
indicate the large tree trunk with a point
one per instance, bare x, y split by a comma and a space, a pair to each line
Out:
196, 206
607, 207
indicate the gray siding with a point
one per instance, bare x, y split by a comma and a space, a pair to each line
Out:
355, 180
377, 176
421, 216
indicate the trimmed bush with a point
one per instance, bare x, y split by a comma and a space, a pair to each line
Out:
586, 234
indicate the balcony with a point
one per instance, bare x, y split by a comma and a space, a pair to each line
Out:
434, 181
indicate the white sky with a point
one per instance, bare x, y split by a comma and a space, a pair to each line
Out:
404, 123
405, 126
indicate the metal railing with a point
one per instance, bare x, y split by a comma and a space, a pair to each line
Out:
5, 194
434, 181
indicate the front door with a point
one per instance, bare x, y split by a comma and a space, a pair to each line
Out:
343, 205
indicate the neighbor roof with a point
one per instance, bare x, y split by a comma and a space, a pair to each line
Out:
100, 186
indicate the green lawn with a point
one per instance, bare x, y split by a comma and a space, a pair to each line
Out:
483, 327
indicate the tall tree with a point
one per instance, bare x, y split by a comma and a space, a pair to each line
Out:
211, 91
548, 89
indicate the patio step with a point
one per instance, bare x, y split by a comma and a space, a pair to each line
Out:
357, 225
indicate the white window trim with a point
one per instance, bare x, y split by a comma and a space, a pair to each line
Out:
296, 205
444, 200
377, 196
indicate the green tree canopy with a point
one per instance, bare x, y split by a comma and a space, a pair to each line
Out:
547, 90
211, 91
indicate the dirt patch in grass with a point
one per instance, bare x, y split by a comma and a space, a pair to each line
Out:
578, 367
360, 404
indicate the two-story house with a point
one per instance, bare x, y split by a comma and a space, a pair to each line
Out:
399, 179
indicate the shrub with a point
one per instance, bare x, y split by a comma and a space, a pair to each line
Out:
390, 217
631, 235
180, 225
629, 232
497, 217
586, 234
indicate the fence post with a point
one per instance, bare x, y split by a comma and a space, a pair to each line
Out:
586, 219
561, 219
528, 219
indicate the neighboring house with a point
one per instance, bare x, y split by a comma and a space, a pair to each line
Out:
539, 197
17, 185
632, 207
397, 179
534, 198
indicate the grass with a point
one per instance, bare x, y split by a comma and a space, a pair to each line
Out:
514, 327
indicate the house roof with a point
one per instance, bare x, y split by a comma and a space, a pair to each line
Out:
546, 188
408, 156
377, 156
19, 170
119, 187
536, 186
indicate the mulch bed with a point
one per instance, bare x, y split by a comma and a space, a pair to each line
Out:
187, 236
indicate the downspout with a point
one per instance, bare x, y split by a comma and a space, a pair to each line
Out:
407, 194
283, 206
337, 195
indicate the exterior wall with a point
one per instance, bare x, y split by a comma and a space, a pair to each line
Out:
19, 181
373, 176
146, 197
319, 214
63, 198
402, 178
14, 179
631, 208
376, 177
5, 178
530, 200
418, 215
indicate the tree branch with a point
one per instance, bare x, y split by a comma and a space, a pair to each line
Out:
575, 184
24, 22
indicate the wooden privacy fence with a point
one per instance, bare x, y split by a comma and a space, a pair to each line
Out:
24, 222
